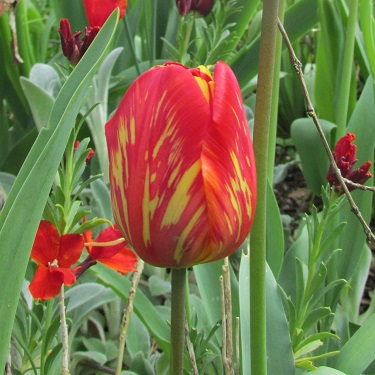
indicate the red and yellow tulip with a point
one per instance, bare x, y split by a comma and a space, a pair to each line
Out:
97, 11
182, 169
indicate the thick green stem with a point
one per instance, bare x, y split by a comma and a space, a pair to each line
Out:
178, 320
275, 98
343, 104
261, 147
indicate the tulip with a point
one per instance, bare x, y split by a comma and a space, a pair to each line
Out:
182, 169
97, 11
203, 7
345, 157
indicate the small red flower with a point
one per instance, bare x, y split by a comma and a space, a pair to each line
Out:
90, 154
203, 7
73, 47
345, 157
98, 11
118, 257
55, 255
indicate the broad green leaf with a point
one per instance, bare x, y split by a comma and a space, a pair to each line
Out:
314, 159
143, 307
158, 285
19, 218
326, 371
275, 234
358, 352
280, 358
137, 338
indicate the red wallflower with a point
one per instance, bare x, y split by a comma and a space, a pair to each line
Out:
72, 46
118, 257
98, 11
345, 157
55, 255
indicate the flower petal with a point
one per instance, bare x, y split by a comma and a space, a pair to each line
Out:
107, 235
124, 261
155, 142
71, 246
46, 245
98, 11
47, 281
228, 166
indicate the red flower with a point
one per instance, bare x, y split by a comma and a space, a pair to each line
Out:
182, 169
97, 11
73, 47
55, 255
345, 157
118, 257
203, 7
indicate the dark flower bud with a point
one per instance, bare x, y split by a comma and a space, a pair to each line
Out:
203, 7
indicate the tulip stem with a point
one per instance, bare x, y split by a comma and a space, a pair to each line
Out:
178, 320
266, 66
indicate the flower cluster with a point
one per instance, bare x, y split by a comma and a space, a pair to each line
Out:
202, 7
345, 157
56, 254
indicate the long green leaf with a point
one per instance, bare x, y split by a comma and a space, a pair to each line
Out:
20, 216
358, 352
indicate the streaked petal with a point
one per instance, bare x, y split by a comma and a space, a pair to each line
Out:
155, 142
46, 245
228, 167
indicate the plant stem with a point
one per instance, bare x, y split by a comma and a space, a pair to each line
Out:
127, 313
64, 339
261, 146
342, 112
178, 320
275, 99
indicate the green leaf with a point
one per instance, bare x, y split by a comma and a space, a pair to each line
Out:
144, 309
280, 358
275, 234
138, 338
158, 286
326, 371
19, 218
314, 159
358, 352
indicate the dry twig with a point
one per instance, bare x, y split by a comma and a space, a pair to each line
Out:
190, 348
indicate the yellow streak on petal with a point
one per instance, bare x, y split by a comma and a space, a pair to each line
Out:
174, 174
229, 224
180, 197
145, 209
132, 130
185, 233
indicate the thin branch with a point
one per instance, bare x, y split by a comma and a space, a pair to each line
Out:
227, 319
358, 186
127, 313
311, 113
64, 339
190, 348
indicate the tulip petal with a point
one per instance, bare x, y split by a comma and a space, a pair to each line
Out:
47, 281
98, 11
155, 141
228, 166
